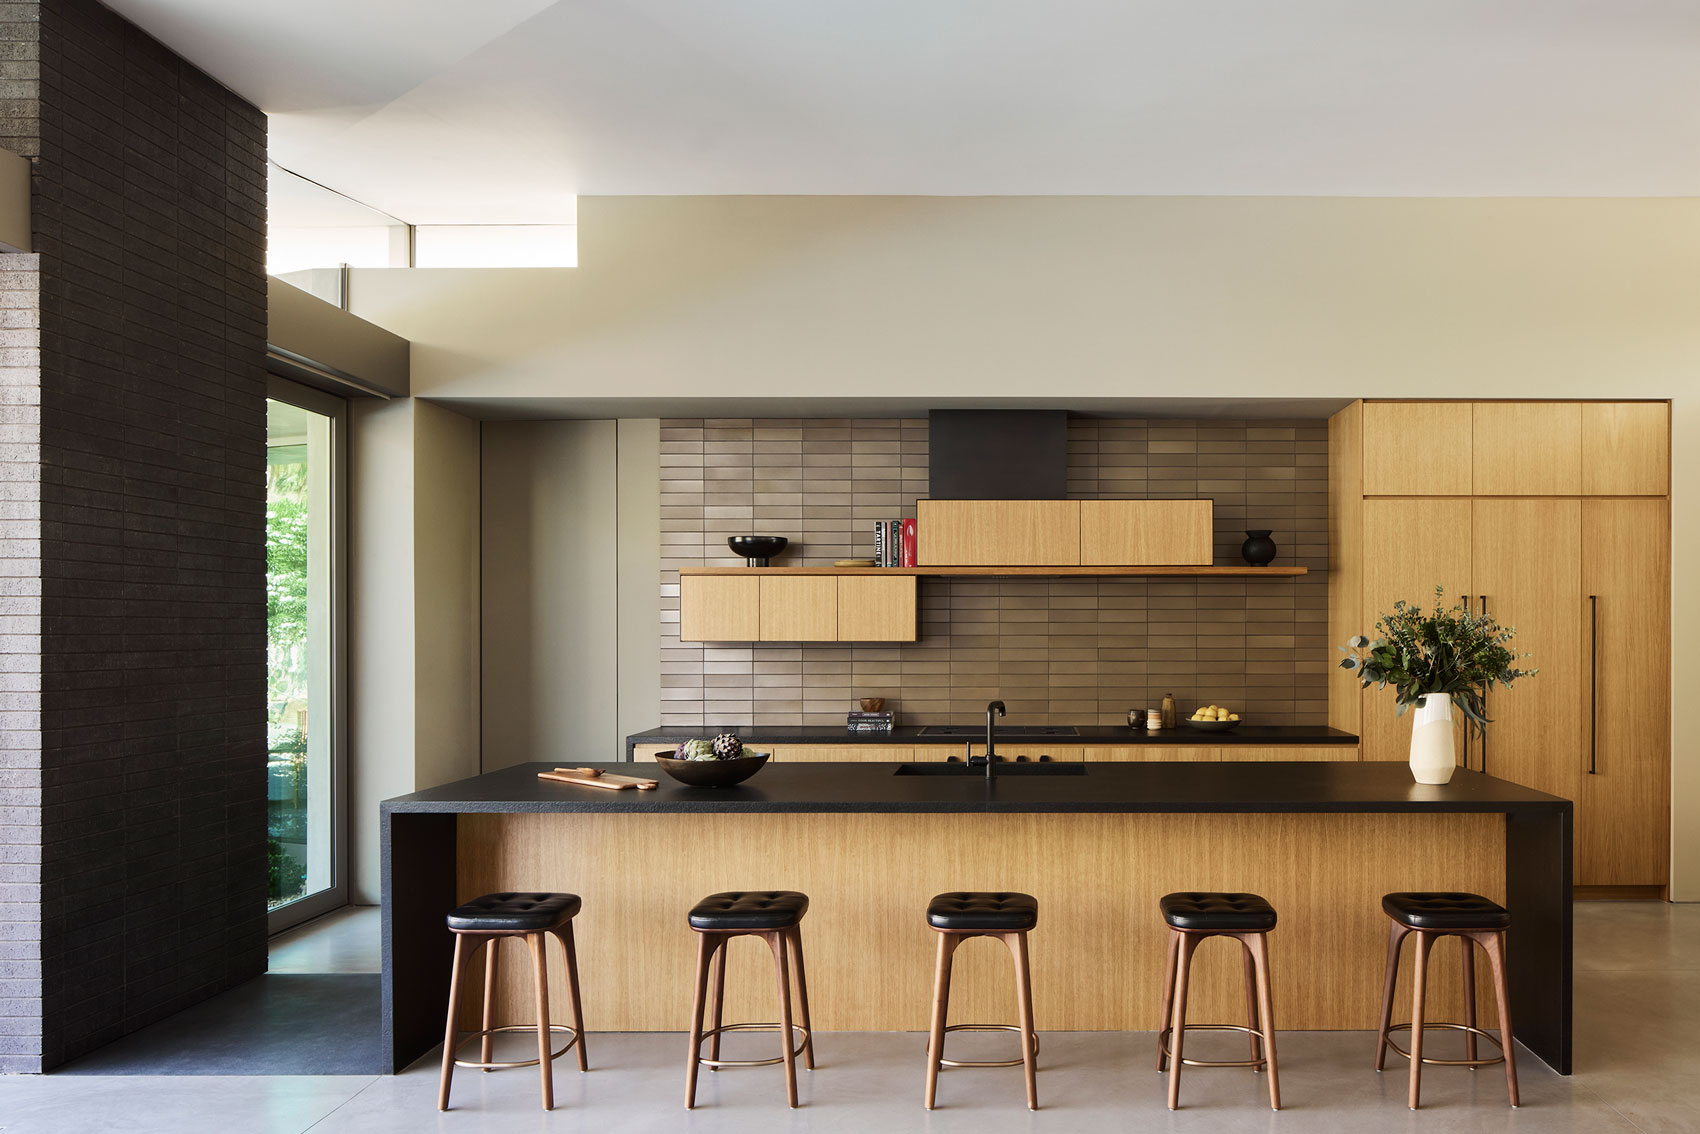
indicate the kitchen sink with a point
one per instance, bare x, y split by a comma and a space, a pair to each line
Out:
978, 732
945, 768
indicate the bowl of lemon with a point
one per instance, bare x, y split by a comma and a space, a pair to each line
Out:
1213, 718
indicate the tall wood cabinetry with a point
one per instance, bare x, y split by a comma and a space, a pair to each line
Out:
1554, 518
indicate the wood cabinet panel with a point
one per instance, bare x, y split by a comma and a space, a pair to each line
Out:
1625, 448
1623, 814
719, 608
1153, 754
651, 751
1071, 752
1528, 448
842, 753
799, 608
1417, 448
874, 608
1528, 572
1328, 753
998, 533
1409, 547
1142, 533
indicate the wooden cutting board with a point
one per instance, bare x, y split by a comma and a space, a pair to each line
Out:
595, 777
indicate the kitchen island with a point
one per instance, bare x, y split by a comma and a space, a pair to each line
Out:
1322, 841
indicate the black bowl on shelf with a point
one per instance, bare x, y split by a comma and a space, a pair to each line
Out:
757, 549
1212, 726
712, 773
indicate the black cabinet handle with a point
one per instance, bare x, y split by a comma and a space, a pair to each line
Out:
1484, 700
1593, 685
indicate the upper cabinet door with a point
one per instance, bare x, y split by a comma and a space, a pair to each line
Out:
1528, 449
1146, 533
1417, 449
1625, 448
799, 608
998, 533
719, 608
876, 608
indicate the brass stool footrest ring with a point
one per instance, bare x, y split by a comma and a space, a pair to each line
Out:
717, 1064
1255, 1064
1471, 1063
1016, 1062
529, 1029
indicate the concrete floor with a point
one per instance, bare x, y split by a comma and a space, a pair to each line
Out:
1637, 990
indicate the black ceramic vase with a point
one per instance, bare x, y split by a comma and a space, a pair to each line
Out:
1258, 549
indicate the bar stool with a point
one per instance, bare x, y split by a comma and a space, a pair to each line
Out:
1008, 917
776, 917
1191, 918
485, 922
1468, 917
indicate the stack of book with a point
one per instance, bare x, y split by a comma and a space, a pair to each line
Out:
894, 543
871, 722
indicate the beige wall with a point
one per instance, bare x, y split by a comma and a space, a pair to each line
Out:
413, 612
1051, 298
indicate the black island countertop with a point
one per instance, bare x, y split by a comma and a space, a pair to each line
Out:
1249, 735
1300, 786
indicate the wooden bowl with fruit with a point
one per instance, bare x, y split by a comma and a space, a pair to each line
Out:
1213, 718
721, 762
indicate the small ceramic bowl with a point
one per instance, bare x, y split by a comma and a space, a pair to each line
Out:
872, 704
712, 773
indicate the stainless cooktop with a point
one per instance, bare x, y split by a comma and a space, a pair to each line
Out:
967, 731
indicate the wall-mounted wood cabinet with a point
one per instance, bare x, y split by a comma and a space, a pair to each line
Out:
1146, 532
1528, 448
997, 533
796, 608
1625, 448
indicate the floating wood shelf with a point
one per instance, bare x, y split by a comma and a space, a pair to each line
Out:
1018, 572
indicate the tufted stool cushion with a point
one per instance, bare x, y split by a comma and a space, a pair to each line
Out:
1442, 911
514, 913
750, 909
983, 912
1207, 911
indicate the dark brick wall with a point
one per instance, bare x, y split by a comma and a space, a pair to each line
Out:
150, 233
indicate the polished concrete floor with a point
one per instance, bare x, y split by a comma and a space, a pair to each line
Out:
1637, 1057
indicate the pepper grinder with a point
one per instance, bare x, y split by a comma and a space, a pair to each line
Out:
1168, 710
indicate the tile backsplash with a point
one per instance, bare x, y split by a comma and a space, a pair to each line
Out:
1075, 650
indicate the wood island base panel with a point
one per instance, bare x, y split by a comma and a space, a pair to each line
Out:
1099, 946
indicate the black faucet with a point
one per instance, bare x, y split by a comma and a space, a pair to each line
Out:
991, 756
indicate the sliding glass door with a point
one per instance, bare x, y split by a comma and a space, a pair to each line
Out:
306, 778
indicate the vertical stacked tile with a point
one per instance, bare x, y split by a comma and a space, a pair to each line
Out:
1064, 650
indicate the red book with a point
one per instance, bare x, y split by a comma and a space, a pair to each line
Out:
908, 544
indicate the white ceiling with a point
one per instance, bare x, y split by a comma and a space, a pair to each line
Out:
502, 110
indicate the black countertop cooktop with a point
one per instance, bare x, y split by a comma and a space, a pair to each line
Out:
1181, 735
1106, 787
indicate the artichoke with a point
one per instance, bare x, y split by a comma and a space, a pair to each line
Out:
727, 746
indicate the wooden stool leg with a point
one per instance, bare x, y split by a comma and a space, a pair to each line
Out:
1259, 948
1251, 1009
449, 1031
1177, 1021
717, 1001
941, 1009
1017, 943
1469, 947
1494, 945
776, 942
697, 1005
486, 1050
796, 936
565, 936
1395, 938
1419, 990
1168, 997
540, 972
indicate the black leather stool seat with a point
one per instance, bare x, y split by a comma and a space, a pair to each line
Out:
982, 911
515, 913
750, 909
1207, 911
1443, 911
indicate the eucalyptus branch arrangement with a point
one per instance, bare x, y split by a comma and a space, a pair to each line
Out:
1447, 651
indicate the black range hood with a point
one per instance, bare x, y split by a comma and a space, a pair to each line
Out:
997, 454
